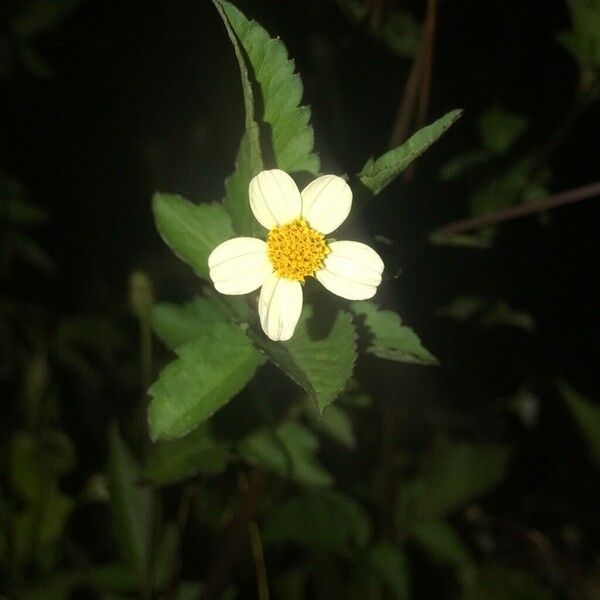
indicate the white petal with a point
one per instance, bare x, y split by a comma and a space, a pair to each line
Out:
239, 266
352, 270
326, 203
279, 307
274, 198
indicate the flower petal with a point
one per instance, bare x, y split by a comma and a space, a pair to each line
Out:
274, 198
352, 270
279, 307
326, 203
239, 266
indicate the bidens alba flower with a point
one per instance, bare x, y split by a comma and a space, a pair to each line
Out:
295, 248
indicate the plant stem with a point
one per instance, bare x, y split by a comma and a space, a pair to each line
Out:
232, 548
515, 212
262, 583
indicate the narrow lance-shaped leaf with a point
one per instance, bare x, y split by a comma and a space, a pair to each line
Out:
252, 136
289, 450
210, 370
291, 136
320, 367
131, 504
377, 174
177, 460
192, 231
323, 520
587, 416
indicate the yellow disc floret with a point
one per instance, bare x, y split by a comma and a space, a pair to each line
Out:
296, 250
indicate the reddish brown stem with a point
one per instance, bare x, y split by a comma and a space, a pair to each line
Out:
418, 86
235, 537
516, 212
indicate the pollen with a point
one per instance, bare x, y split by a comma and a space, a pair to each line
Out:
295, 250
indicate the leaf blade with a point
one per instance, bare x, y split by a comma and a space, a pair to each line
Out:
192, 231
377, 174
210, 370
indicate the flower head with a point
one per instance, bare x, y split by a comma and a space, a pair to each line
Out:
295, 248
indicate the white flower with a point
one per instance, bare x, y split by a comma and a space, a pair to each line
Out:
295, 248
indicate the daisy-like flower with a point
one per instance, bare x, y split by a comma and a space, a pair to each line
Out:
295, 249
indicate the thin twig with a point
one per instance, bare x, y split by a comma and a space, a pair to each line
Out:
516, 212
408, 103
418, 85
428, 37
386, 461
262, 582
232, 548
429, 28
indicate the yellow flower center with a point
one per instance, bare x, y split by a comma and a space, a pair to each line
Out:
296, 250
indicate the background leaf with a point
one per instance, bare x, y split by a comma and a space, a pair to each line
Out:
453, 474
289, 450
325, 520
210, 370
177, 460
587, 416
391, 566
335, 423
500, 129
441, 542
131, 504
192, 231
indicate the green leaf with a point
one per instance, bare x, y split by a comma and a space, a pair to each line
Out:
288, 451
500, 129
335, 423
441, 542
177, 324
292, 137
490, 314
583, 40
587, 416
499, 583
249, 161
453, 474
501, 314
462, 308
463, 162
40, 525
503, 190
131, 504
391, 567
321, 367
116, 577
378, 174
391, 339
192, 231
323, 520
401, 33
177, 460
38, 462
166, 555
210, 370
18, 210
41, 16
